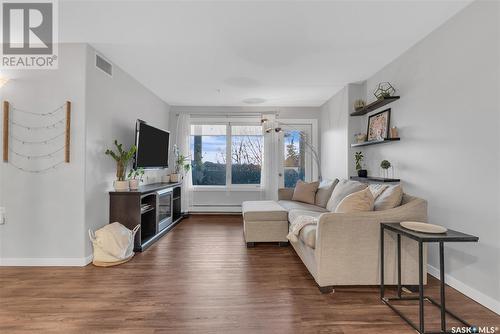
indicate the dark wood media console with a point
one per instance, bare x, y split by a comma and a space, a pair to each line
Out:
156, 207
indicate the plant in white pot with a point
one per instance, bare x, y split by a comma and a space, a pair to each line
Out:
122, 158
134, 177
181, 165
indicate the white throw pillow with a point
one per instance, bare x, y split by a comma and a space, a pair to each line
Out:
377, 189
325, 192
389, 199
360, 201
341, 190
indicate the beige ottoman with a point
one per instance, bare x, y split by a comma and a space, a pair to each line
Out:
264, 221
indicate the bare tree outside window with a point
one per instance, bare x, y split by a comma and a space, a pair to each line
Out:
246, 154
294, 165
209, 151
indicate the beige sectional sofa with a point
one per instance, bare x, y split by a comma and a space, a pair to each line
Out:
343, 248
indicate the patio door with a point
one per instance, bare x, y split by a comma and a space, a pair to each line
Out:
295, 156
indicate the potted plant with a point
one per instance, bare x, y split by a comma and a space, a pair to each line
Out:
385, 165
358, 158
122, 158
181, 165
134, 177
359, 104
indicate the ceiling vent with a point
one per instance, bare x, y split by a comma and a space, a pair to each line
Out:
103, 65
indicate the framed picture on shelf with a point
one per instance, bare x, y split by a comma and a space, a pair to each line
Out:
378, 125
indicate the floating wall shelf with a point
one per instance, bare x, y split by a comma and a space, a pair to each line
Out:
374, 105
374, 179
374, 142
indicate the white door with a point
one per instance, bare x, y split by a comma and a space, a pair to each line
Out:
296, 161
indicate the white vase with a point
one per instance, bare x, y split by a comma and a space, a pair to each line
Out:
120, 185
133, 184
175, 177
165, 179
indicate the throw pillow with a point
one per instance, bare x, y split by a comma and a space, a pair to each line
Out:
359, 201
305, 192
324, 192
341, 190
390, 198
377, 189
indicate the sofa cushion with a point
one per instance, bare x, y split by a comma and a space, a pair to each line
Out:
360, 201
305, 192
377, 189
263, 210
325, 192
292, 205
341, 190
308, 233
389, 199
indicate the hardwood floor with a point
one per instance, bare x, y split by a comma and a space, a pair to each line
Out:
200, 278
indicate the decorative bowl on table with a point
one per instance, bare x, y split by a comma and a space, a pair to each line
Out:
423, 227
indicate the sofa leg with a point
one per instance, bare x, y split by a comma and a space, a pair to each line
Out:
283, 243
326, 289
250, 244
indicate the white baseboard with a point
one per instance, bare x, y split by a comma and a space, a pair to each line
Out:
45, 262
215, 209
472, 293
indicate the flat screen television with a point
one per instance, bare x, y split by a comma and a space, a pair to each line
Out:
152, 146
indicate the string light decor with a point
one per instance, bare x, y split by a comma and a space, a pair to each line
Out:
32, 137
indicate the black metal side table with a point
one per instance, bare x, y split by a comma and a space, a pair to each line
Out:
421, 238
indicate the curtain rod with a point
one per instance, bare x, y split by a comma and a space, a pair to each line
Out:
242, 114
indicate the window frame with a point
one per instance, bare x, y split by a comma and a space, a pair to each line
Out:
229, 161
314, 172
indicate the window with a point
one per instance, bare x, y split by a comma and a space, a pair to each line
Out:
208, 155
226, 154
294, 159
246, 154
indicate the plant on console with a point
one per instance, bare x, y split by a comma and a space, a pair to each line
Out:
135, 176
122, 157
181, 165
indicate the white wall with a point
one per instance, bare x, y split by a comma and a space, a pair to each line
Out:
48, 214
113, 106
334, 136
449, 154
45, 212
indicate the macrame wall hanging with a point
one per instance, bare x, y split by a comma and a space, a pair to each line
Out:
36, 142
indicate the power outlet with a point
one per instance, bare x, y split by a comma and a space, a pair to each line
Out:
3, 217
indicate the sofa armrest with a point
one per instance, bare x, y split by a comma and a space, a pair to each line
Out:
285, 194
348, 245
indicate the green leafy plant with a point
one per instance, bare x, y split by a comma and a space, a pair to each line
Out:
136, 174
122, 158
182, 164
385, 164
358, 158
